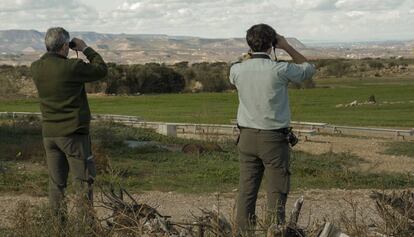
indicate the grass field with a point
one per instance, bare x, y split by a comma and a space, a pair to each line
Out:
315, 105
23, 168
401, 149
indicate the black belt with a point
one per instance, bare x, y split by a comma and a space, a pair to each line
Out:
279, 130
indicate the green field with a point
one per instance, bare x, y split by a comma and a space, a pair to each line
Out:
400, 149
314, 105
23, 168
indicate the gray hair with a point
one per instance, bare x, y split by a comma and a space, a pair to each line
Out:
55, 38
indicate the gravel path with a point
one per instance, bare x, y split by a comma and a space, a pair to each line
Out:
319, 204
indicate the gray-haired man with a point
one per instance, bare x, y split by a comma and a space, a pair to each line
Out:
264, 117
60, 83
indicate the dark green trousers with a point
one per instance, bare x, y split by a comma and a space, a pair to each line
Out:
262, 152
69, 154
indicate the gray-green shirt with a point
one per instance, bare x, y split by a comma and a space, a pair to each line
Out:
262, 86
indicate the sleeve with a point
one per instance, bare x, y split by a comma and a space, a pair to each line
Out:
296, 73
95, 70
233, 74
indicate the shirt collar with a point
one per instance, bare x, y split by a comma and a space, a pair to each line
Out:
261, 55
52, 54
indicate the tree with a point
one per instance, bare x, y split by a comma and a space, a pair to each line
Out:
376, 65
338, 67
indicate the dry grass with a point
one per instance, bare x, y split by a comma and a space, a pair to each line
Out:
358, 222
397, 213
80, 220
131, 218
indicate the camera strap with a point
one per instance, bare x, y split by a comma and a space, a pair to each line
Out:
274, 53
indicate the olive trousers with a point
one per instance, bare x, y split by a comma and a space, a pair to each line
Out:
262, 152
69, 154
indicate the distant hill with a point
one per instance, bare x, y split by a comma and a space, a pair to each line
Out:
17, 40
25, 46
136, 48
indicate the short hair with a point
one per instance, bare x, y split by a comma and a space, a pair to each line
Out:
55, 38
260, 37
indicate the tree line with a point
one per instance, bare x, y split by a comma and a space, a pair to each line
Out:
196, 77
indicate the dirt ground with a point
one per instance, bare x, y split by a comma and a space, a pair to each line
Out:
369, 149
318, 205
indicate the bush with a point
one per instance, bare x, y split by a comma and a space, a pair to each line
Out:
148, 78
376, 65
213, 76
392, 64
160, 79
338, 68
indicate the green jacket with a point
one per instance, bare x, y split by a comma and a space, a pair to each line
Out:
60, 83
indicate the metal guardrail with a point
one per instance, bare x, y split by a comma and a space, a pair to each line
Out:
116, 117
113, 117
398, 133
351, 130
302, 128
13, 115
308, 124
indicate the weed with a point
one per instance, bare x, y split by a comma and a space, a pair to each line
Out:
400, 149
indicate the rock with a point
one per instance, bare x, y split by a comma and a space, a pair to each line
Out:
329, 230
354, 103
339, 106
372, 99
196, 86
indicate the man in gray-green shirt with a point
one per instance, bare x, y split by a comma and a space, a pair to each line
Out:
264, 118
60, 83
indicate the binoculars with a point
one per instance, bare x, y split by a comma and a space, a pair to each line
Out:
72, 44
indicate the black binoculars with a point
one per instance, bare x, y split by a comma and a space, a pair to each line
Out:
72, 44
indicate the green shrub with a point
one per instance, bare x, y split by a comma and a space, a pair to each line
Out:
338, 68
376, 65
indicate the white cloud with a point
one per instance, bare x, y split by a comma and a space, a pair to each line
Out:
370, 5
305, 19
42, 14
355, 14
315, 4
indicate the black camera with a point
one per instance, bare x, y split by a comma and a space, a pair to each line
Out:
274, 42
291, 138
72, 44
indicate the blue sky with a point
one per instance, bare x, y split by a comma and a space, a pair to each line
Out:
320, 20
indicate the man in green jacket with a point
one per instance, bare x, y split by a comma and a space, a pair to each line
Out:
60, 83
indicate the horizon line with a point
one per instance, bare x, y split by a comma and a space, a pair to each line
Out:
316, 41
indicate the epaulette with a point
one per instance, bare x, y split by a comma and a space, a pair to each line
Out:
236, 62
243, 58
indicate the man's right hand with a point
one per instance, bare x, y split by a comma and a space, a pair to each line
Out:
282, 43
80, 44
